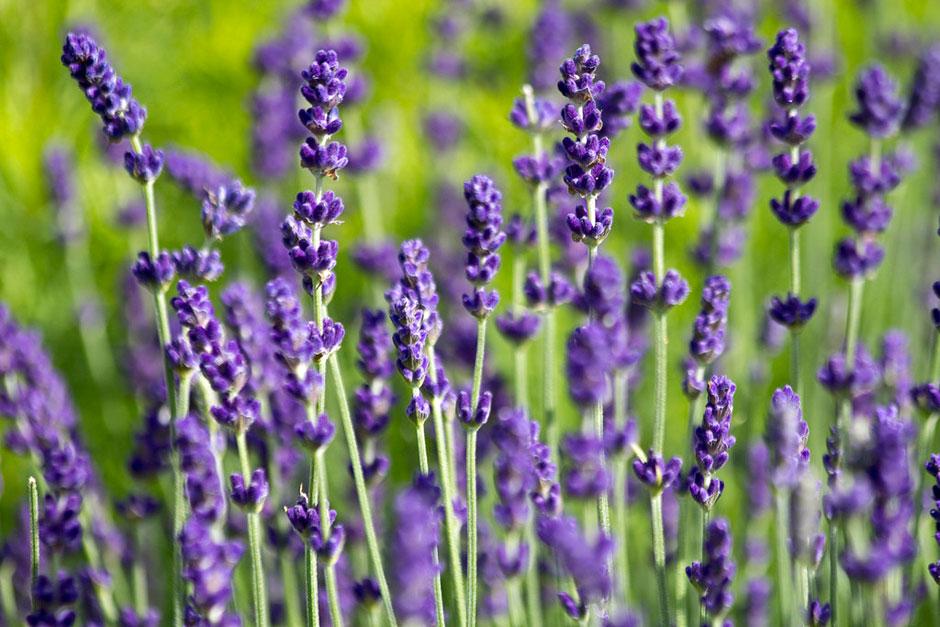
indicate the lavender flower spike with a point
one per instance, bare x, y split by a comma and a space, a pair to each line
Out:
712, 577
711, 442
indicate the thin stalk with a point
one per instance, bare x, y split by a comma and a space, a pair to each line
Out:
139, 575
516, 610
451, 524
795, 290
425, 470
703, 532
533, 589
102, 591
661, 340
259, 593
362, 493
659, 556
163, 332
289, 584
7, 596
603, 504
33, 533
311, 583
620, 523
472, 478
784, 575
545, 268
323, 500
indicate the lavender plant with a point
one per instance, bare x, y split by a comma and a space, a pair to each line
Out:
201, 511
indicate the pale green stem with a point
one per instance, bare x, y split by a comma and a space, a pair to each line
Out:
784, 574
659, 555
7, 596
139, 575
362, 492
795, 290
259, 593
620, 523
323, 500
425, 467
603, 504
163, 332
472, 478
533, 588
451, 524
33, 532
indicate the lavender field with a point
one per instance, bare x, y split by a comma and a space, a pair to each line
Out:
363, 312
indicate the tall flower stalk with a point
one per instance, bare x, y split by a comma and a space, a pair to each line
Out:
123, 117
657, 66
483, 239
324, 88
790, 72
879, 116
415, 295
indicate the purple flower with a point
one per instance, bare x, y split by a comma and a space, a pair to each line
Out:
651, 209
418, 529
578, 83
711, 442
791, 312
924, 94
197, 265
410, 320
549, 38
518, 328
708, 331
250, 497
656, 474
543, 115
806, 542
867, 215
318, 212
482, 239
208, 566
786, 434
789, 69
579, 557
109, 95
226, 209
657, 60
585, 475
672, 292
588, 365
474, 417
145, 166
879, 108
713, 575
855, 259
154, 273
558, 292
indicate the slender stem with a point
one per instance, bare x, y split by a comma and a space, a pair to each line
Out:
703, 532
784, 575
659, 424
179, 498
795, 279
163, 332
451, 524
289, 586
603, 504
362, 493
795, 283
659, 555
471, 527
425, 467
620, 514
802, 588
329, 568
833, 542
533, 589
33, 533
312, 584
139, 574
259, 593
7, 596
472, 477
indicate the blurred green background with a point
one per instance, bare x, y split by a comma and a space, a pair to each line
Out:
190, 63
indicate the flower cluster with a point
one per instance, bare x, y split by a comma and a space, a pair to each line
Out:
712, 576
708, 333
482, 238
110, 97
868, 214
711, 442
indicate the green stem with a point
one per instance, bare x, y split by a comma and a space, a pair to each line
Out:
312, 584
472, 477
362, 493
471, 527
533, 588
329, 568
620, 514
659, 555
163, 332
833, 546
659, 424
33, 533
289, 585
452, 526
139, 574
603, 504
259, 593
425, 467
784, 575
